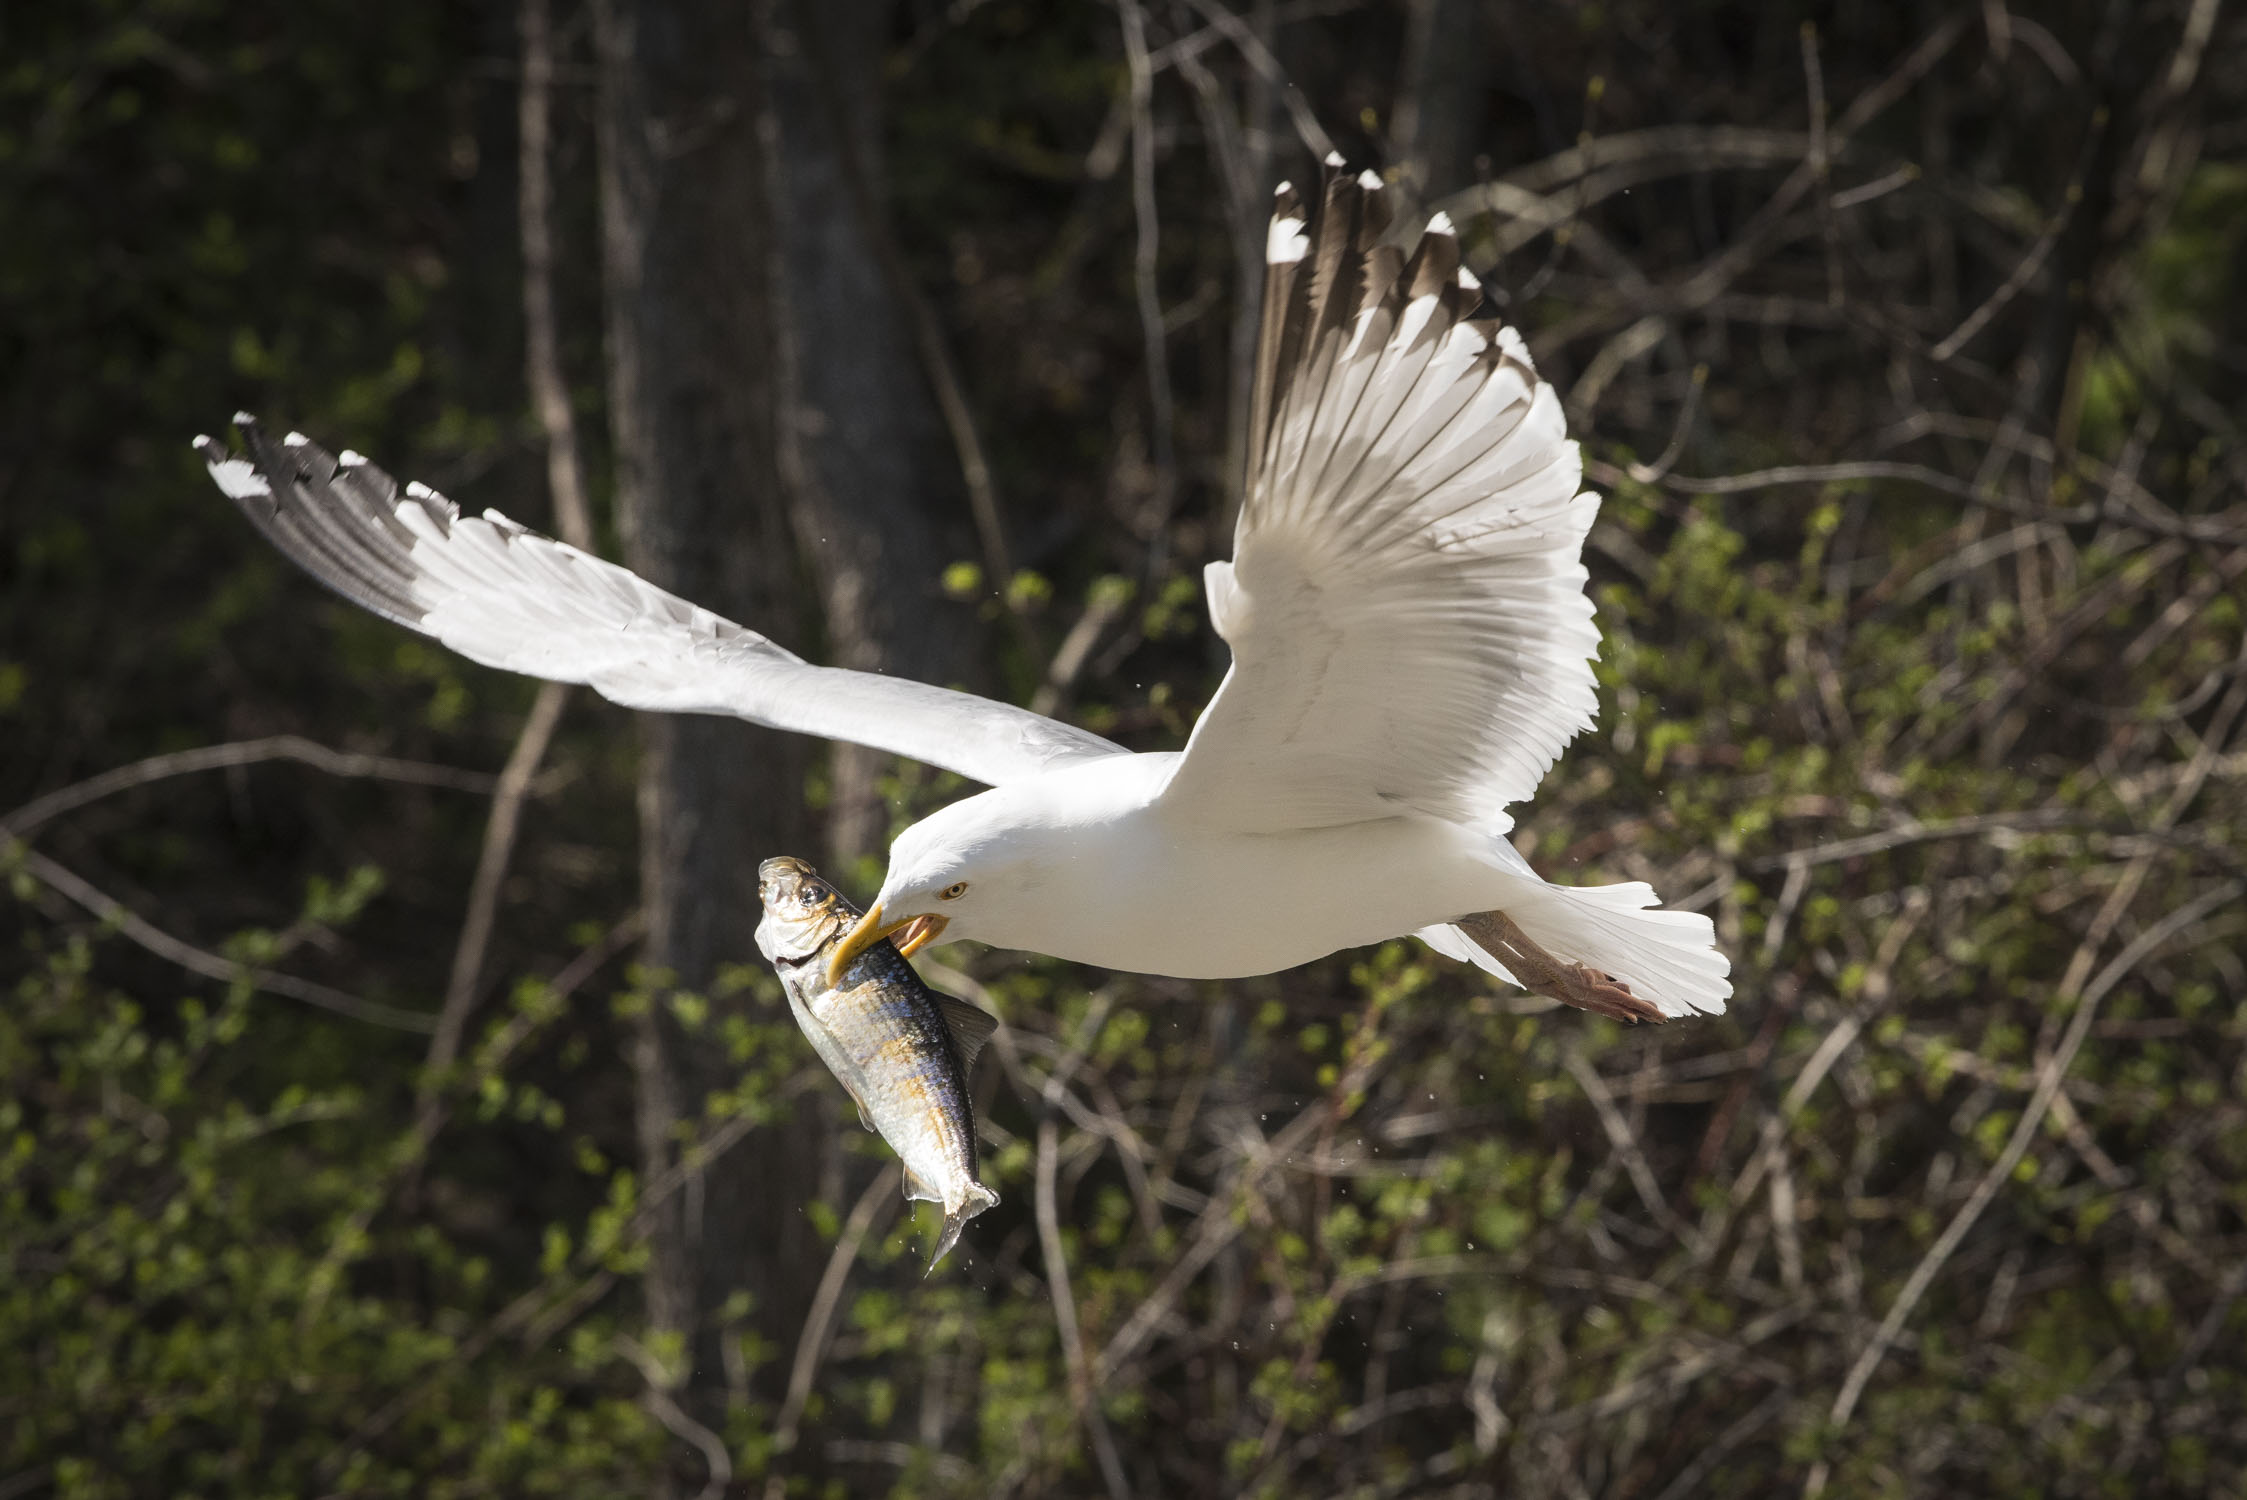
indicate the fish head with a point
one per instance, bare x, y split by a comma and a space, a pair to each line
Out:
803, 913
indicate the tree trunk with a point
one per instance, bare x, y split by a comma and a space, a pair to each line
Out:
862, 462
1440, 96
685, 243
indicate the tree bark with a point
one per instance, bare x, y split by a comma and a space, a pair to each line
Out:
685, 241
862, 459
1440, 96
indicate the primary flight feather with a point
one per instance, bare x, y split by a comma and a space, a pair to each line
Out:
1411, 646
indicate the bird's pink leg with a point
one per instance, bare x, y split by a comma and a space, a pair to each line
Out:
1542, 974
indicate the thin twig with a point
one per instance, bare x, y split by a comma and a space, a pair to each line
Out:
1640, 338
1218, 1224
1934, 479
195, 960
1144, 261
2023, 272
491, 871
1105, 606
1763, 229
819, 1319
539, 1313
1626, 1147
433, 1107
1716, 1451
542, 355
1267, 67
667, 1410
1065, 1315
1056, 1255
1241, 167
2027, 820
565, 477
41, 810
2085, 999
2024, 1131
937, 364
1820, 162
1652, 473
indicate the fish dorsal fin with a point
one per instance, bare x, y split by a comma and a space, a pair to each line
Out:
865, 1120
971, 1028
917, 1189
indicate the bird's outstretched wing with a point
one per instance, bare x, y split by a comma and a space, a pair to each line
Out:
503, 595
1406, 598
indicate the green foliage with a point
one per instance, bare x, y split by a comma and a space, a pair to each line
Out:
1362, 1228
193, 1302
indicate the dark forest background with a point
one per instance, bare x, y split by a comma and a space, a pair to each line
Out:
391, 1102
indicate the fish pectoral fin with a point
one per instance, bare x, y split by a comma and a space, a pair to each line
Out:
865, 1116
971, 1027
917, 1190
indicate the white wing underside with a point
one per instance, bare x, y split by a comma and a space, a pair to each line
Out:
1406, 600
508, 597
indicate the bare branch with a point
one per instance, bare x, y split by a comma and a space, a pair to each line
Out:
1151, 329
491, 871
40, 810
2023, 272
1065, 1316
195, 960
565, 466
2027, 820
1626, 1147
1841, 473
2024, 1131
565, 476
668, 1411
1268, 68
819, 1319
1652, 473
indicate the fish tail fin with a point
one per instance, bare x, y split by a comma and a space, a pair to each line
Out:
978, 1199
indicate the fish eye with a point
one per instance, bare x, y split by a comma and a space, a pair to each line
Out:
953, 892
813, 895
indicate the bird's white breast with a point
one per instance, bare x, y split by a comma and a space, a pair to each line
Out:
1154, 890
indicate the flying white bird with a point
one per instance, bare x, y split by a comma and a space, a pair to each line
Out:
1411, 645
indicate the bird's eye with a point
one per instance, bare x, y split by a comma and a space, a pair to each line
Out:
953, 892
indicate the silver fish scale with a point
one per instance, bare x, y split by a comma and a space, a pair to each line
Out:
883, 1012
901, 1050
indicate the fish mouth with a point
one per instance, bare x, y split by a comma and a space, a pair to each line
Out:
919, 931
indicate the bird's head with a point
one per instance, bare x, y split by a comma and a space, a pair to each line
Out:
948, 874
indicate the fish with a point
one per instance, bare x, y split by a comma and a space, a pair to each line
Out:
900, 1050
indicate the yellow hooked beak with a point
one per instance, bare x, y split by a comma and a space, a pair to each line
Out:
871, 930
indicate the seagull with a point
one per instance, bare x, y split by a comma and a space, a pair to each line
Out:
1411, 644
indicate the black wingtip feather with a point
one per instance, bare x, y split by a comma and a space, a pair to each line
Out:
1351, 264
1434, 268
334, 523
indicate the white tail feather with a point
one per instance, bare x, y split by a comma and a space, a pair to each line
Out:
1667, 957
